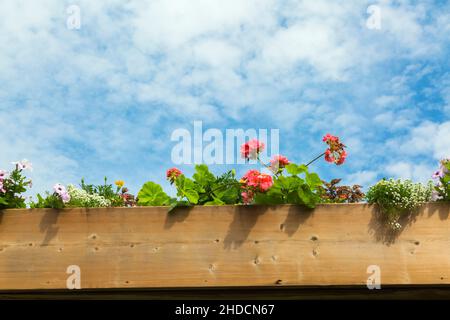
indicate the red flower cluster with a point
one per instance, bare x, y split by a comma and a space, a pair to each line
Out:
278, 162
172, 174
128, 199
251, 149
255, 181
335, 152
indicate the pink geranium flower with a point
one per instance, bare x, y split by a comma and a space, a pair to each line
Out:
335, 152
342, 157
257, 181
265, 182
251, 149
329, 138
277, 162
247, 196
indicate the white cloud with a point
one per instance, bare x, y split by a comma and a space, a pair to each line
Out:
428, 138
112, 91
408, 170
364, 178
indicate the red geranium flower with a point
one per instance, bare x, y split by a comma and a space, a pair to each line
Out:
172, 174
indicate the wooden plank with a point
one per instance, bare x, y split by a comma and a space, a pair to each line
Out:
220, 247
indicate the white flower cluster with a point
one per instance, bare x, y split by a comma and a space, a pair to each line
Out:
80, 197
403, 195
396, 197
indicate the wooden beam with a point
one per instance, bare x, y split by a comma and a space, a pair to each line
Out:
229, 246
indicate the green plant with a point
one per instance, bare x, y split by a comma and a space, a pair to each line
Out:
299, 187
441, 190
13, 185
331, 192
51, 200
203, 189
106, 191
152, 194
55, 200
81, 198
397, 198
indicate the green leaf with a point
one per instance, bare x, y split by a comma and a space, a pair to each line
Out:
446, 179
293, 198
227, 194
174, 203
215, 202
203, 176
268, 198
294, 169
187, 188
152, 194
313, 180
307, 196
3, 201
191, 195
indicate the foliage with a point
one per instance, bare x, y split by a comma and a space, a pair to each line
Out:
396, 198
13, 185
51, 200
152, 194
56, 200
299, 187
203, 189
106, 191
332, 193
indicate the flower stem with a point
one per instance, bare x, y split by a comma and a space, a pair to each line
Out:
316, 158
224, 185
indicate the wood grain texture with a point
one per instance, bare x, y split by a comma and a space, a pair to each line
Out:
221, 247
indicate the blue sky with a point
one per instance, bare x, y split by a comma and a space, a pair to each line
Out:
104, 99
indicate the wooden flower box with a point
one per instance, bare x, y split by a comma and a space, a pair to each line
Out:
221, 247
